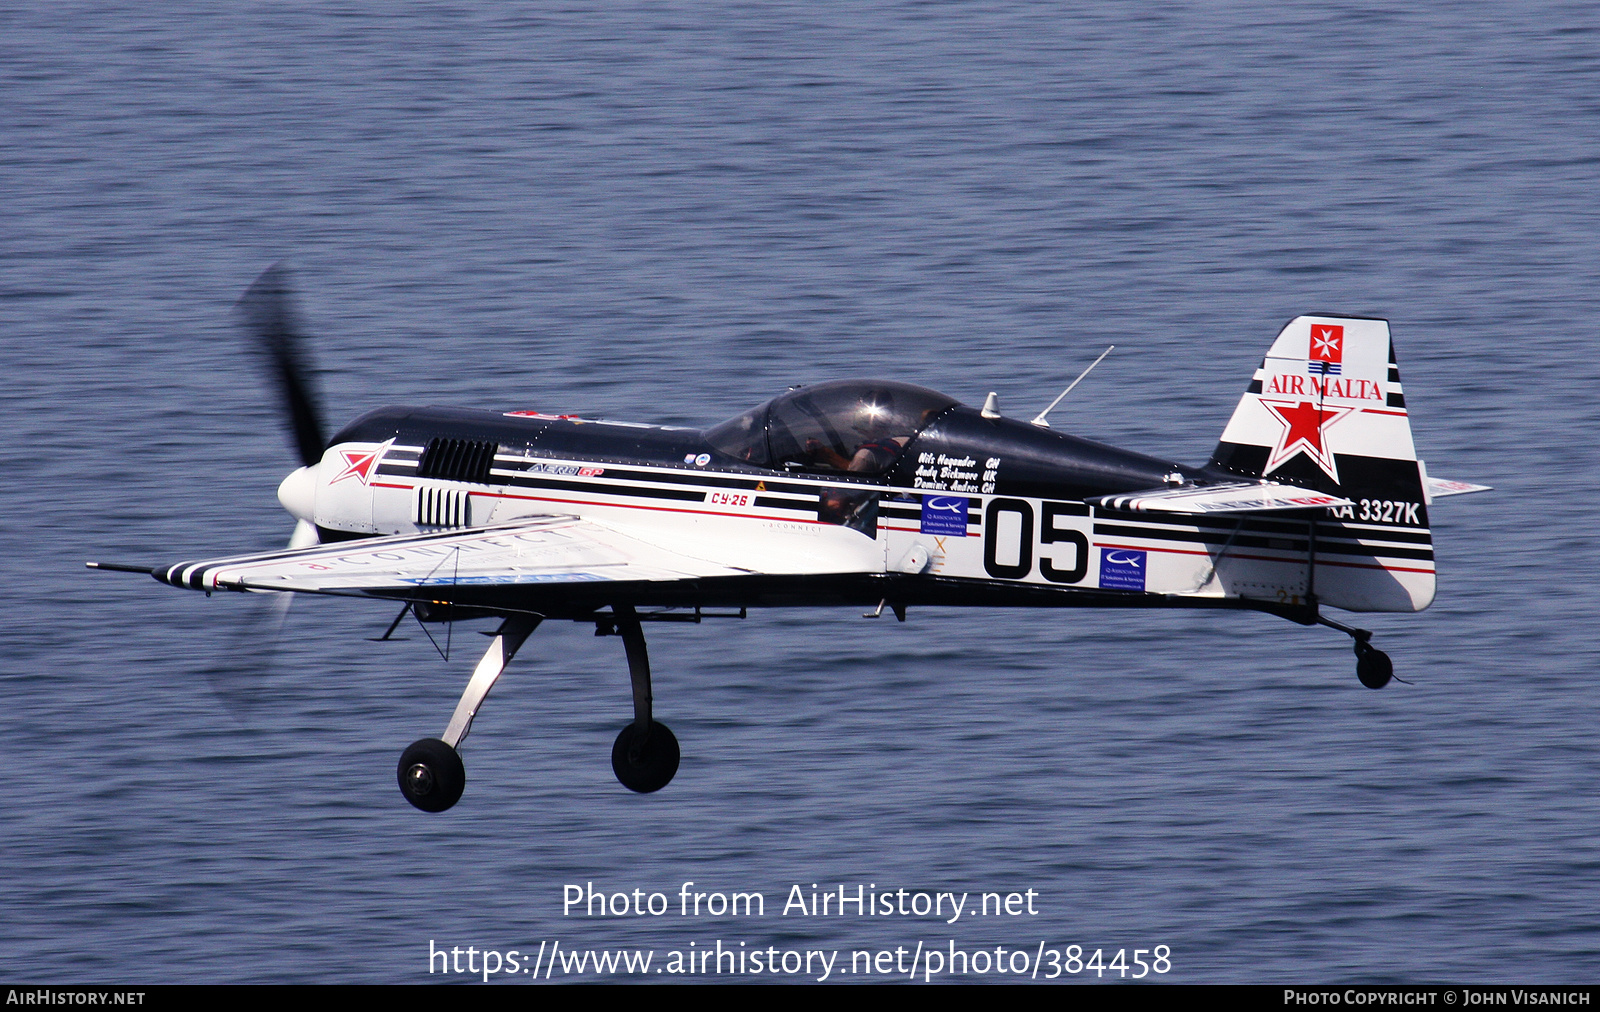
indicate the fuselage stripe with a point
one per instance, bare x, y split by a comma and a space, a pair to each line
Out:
1265, 558
1332, 546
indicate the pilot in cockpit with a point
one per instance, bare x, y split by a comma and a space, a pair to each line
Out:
873, 456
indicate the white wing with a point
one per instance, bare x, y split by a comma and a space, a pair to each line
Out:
530, 551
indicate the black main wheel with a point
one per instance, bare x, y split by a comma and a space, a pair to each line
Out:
431, 775
645, 763
1373, 666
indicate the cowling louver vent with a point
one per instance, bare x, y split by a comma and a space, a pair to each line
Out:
441, 507
457, 460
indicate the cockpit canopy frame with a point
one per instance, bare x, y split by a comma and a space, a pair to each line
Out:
845, 426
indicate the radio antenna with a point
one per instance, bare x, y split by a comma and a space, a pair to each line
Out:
1039, 420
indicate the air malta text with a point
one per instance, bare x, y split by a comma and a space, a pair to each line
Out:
1332, 386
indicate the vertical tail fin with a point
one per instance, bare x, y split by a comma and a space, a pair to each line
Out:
1325, 410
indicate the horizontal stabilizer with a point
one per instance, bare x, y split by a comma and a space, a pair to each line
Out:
1438, 487
1228, 497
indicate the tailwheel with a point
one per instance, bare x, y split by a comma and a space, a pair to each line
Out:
645, 762
431, 775
1373, 666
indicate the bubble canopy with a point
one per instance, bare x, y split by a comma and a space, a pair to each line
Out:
859, 426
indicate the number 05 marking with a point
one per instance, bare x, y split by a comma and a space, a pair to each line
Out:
1015, 541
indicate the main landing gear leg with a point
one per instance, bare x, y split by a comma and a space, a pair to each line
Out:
431, 775
1373, 666
645, 756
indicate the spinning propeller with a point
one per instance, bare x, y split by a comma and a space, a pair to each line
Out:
269, 322
268, 319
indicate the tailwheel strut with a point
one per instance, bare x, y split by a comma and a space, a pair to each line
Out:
431, 774
645, 755
1373, 666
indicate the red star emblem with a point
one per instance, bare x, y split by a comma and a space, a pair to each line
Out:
357, 464
1304, 428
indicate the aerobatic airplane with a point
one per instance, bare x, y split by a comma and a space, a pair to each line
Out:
856, 492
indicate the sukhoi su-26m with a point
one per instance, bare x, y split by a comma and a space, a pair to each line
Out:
864, 493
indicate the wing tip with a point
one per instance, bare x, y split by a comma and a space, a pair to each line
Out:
121, 567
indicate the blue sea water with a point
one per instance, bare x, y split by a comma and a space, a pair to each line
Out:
668, 212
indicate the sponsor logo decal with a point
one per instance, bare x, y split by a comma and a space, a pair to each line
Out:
702, 460
582, 472
1327, 349
1121, 569
944, 514
1268, 503
1305, 428
358, 464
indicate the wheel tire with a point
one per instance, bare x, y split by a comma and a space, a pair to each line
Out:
1373, 666
431, 775
645, 766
